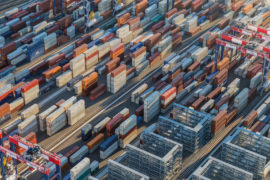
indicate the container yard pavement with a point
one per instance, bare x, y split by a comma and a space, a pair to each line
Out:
96, 111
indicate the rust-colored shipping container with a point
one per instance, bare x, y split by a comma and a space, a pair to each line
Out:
130, 70
232, 114
219, 121
186, 4
133, 21
139, 110
211, 41
237, 6
72, 151
198, 102
4, 110
223, 23
54, 28
79, 50
194, 31
39, 67
174, 75
56, 59
97, 92
252, 93
171, 12
250, 118
73, 8
66, 67
177, 4
8, 48
111, 65
117, 51
150, 42
221, 76
118, 70
214, 93
83, 40
63, 39
253, 127
224, 63
157, 26
123, 19
95, 141
194, 66
107, 38
138, 52
154, 59
64, 22
51, 72
17, 26
210, 68
157, 76
175, 31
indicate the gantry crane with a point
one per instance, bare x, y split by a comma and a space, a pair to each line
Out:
244, 46
33, 151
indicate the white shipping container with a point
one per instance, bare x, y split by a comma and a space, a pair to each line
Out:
63, 79
82, 167
128, 139
78, 88
76, 112
77, 65
42, 117
32, 110
101, 125
68, 103
127, 125
28, 125
17, 102
103, 50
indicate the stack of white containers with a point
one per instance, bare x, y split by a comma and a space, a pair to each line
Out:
191, 24
81, 169
63, 79
32, 110
78, 88
5, 89
28, 125
16, 103
68, 103
17, 56
165, 47
241, 100
117, 81
151, 11
124, 34
178, 20
42, 117
77, 65
71, 32
76, 112
162, 7
199, 54
39, 27
114, 42
142, 57
135, 95
151, 106
50, 41
91, 57
56, 121
31, 94
128, 131
103, 49
104, 6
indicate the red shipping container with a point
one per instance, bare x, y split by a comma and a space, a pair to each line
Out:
118, 70
130, 70
139, 111
17, 26
29, 85
107, 37
66, 67
8, 48
97, 92
157, 26
113, 124
154, 59
64, 22
52, 29
118, 50
168, 93
250, 118
56, 59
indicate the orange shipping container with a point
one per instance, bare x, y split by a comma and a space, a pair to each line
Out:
123, 19
97, 140
79, 50
247, 8
223, 63
93, 77
138, 52
51, 72
4, 110
118, 50
118, 70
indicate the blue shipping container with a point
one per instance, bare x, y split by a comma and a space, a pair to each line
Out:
35, 50
108, 142
136, 47
7, 71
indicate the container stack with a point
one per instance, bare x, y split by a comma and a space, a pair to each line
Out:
86, 132
79, 155
32, 110
104, 6
30, 91
199, 54
50, 42
81, 170
241, 100
138, 56
151, 106
56, 121
68, 103
28, 125
77, 65
135, 95
63, 79
16, 105
116, 79
167, 98
17, 57
78, 88
76, 112
219, 121
108, 146
89, 83
42, 117
91, 57
127, 131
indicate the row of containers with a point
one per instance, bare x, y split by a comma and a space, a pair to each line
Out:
110, 49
